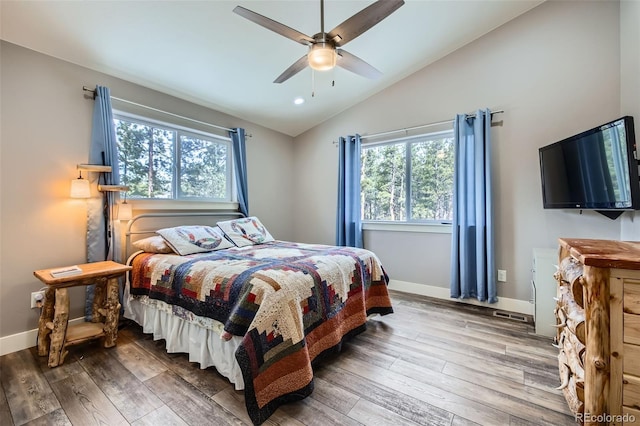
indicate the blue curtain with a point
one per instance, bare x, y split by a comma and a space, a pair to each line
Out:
349, 223
240, 166
103, 242
472, 246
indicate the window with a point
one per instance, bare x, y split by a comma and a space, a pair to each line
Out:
161, 161
409, 179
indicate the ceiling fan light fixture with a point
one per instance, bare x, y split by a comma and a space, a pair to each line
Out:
323, 53
322, 57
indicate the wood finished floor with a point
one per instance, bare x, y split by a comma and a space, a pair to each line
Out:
430, 363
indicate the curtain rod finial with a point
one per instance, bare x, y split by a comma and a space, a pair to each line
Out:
92, 91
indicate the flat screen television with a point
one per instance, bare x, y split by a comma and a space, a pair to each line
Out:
596, 170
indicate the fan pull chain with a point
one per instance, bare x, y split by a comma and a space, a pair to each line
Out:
313, 83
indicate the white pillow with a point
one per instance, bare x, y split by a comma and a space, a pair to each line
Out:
194, 239
246, 231
155, 244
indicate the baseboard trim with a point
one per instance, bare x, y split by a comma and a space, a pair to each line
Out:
19, 341
26, 339
504, 303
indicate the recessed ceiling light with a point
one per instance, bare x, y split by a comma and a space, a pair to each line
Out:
298, 101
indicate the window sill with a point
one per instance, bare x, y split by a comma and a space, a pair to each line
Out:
434, 228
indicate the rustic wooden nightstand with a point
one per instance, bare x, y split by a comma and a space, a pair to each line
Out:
54, 335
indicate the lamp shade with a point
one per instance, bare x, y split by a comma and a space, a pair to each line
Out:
322, 57
80, 188
125, 212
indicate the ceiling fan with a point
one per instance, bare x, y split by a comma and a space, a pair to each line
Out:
325, 48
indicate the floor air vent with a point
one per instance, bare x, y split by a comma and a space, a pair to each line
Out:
510, 315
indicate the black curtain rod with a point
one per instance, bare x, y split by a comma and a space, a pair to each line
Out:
407, 129
93, 92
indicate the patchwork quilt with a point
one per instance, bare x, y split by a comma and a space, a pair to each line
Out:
291, 302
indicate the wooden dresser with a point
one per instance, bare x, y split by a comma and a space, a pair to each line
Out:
598, 336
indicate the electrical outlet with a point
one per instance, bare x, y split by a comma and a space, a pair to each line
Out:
502, 275
36, 296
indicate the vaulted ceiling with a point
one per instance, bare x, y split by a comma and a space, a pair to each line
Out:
203, 52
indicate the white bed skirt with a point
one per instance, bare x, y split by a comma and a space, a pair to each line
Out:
203, 345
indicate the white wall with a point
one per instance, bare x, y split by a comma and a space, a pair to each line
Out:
46, 128
630, 89
554, 70
630, 59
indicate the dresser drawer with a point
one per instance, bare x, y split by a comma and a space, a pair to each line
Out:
631, 359
631, 416
632, 329
632, 297
631, 391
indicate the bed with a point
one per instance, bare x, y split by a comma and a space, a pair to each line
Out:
259, 310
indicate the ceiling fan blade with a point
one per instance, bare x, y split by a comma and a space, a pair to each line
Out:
356, 65
294, 69
363, 20
274, 26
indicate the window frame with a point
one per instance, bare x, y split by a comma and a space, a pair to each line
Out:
231, 191
409, 225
